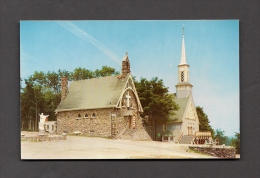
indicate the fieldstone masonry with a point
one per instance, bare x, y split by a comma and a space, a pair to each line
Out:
217, 151
106, 122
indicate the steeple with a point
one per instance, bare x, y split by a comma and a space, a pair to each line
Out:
125, 65
183, 88
183, 55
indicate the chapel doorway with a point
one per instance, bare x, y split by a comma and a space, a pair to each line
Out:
190, 131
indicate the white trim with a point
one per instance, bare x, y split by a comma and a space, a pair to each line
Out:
119, 103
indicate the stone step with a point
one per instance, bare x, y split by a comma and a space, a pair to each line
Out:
186, 139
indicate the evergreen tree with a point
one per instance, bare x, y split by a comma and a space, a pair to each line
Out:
220, 135
236, 142
204, 125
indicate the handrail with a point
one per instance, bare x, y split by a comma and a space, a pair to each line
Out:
180, 137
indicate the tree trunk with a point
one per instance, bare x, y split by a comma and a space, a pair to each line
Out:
30, 123
155, 136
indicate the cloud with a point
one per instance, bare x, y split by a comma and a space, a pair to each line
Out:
85, 36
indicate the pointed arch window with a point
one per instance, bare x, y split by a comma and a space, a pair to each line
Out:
79, 115
86, 115
93, 115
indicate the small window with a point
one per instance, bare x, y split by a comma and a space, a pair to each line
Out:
91, 131
79, 115
93, 115
52, 127
47, 127
86, 115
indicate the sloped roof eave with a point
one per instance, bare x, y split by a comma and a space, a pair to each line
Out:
76, 109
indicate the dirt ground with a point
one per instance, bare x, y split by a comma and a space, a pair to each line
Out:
80, 147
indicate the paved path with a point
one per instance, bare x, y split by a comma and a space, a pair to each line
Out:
80, 147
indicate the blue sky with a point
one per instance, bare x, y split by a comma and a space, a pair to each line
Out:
154, 49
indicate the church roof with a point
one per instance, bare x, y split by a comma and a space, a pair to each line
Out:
182, 103
103, 92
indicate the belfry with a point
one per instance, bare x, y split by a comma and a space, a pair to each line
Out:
183, 88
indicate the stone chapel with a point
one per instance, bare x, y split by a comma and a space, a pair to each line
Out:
102, 107
183, 126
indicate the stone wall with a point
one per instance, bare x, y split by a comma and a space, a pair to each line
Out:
107, 122
95, 122
44, 138
216, 151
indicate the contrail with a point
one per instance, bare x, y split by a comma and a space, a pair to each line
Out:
28, 56
85, 36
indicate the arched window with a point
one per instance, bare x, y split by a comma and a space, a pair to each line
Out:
93, 115
86, 115
79, 115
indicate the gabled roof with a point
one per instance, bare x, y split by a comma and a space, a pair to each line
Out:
93, 93
182, 103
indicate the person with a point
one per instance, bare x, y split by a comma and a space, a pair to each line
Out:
195, 141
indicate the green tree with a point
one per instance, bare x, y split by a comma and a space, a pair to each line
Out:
31, 98
81, 74
236, 142
204, 125
220, 135
105, 71
42, 92
157, 103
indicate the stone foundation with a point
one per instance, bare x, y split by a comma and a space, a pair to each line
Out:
216, 151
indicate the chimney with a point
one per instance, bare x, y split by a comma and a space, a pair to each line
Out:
64, 87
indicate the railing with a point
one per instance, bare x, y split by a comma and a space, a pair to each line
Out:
202, 134
180, 137
202, 137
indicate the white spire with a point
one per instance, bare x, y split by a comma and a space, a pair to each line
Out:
183, 55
